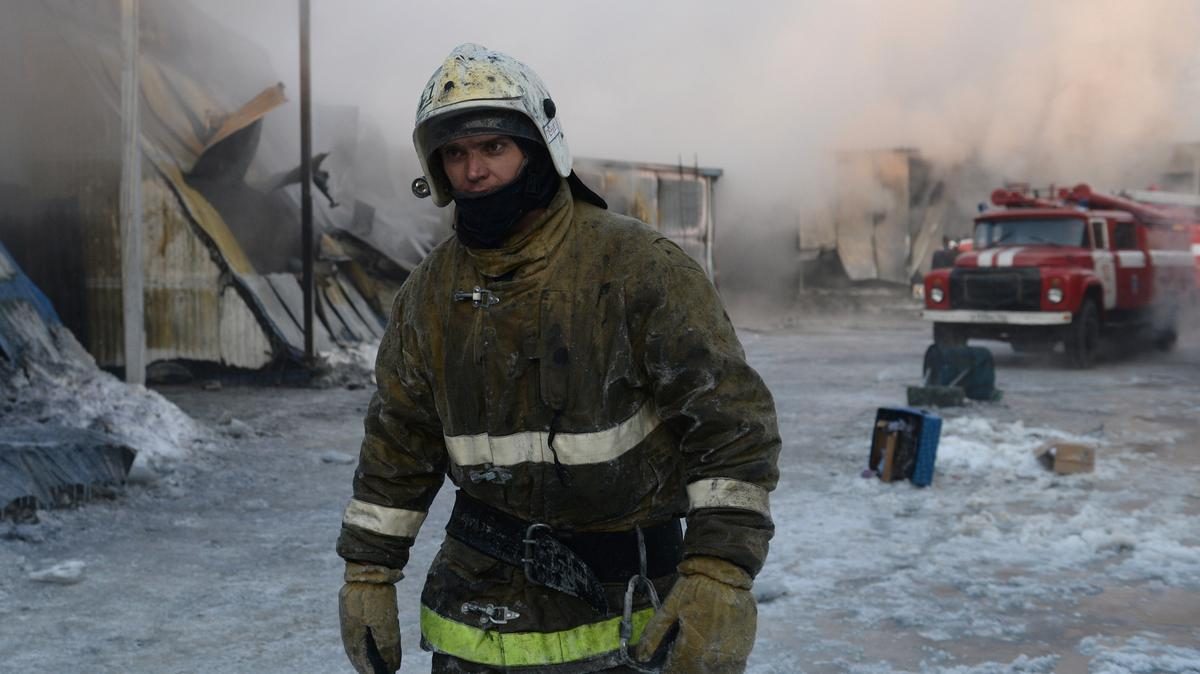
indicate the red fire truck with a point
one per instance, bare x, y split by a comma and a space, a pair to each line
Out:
1066, 268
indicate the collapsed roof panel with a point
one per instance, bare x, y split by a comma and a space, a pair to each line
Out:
291, 295
205, 297
274, 310
871, 215
891, 209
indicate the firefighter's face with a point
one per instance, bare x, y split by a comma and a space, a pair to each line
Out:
480, 164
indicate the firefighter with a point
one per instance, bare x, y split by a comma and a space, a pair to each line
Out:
575, 375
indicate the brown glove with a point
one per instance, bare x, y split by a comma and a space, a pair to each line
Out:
370, 626
707, 623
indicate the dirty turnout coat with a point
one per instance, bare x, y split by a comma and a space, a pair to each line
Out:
585, 377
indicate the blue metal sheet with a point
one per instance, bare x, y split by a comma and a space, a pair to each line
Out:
26, 315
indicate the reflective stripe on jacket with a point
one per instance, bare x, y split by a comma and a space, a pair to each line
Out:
586, 377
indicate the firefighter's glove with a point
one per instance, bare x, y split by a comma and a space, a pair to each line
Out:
707, 623
370, 624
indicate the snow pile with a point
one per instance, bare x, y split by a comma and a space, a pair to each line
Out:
996, 539
348, 365
361, 354
73, 392
978, 446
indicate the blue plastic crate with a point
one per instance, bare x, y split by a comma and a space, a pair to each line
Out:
922, 430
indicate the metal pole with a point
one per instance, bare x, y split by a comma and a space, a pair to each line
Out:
132, 280
306, 217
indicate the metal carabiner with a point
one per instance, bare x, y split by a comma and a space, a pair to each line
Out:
626, 628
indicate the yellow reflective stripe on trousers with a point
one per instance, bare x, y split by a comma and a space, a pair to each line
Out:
526, 649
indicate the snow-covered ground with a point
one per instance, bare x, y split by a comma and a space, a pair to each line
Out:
226, 564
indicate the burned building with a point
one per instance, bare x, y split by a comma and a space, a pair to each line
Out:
221, 240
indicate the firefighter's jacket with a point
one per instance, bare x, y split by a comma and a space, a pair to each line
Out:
585, 377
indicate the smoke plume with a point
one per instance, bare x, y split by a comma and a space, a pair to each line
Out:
1066, 91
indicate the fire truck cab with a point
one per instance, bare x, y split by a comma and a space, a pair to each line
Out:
1067, 269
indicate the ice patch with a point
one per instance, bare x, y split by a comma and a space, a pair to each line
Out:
1139, 655
996, 536
1022, 665
62, 573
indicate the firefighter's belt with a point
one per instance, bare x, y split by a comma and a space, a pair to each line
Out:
576, 563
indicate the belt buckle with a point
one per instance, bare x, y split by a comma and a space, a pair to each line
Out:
528, 543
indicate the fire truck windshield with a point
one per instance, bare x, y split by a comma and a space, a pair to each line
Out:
1030, 232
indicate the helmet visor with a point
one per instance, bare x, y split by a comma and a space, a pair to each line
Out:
442, 129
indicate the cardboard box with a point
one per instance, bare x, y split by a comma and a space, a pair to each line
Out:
1066, 458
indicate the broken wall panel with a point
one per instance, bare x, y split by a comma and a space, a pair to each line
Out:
275, 311
182, 284
291, 295
369, 316
344, 322
56, 465
201, 123
872, 214
66, 174
243, 341
675, 200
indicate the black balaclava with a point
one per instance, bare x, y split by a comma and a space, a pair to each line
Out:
486, 220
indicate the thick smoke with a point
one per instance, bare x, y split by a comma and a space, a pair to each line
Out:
1066, 91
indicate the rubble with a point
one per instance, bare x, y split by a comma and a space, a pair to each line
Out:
236, 428
71, 430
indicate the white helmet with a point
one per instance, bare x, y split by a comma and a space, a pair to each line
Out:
475, 80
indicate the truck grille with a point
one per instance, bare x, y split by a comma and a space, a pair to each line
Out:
1001, 289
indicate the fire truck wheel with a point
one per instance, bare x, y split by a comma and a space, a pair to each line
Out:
948, 334
1083, 336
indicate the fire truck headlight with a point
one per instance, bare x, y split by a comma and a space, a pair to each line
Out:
1055, 295
937, 295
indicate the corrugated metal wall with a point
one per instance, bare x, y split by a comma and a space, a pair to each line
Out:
677, 202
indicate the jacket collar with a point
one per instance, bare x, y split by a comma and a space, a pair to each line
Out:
531, 248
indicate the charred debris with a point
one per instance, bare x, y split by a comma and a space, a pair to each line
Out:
220, 197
